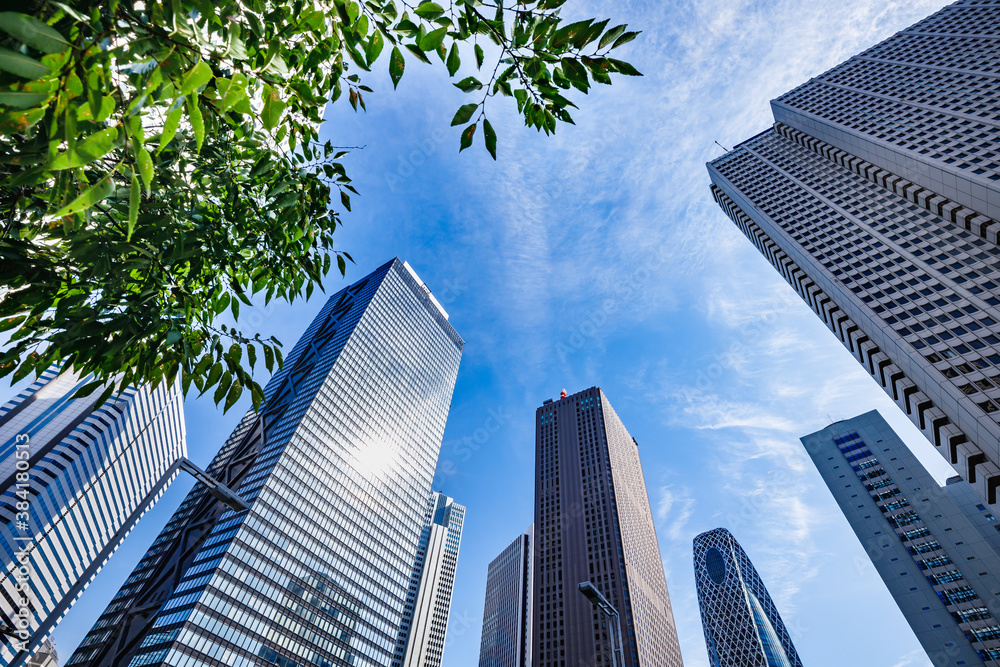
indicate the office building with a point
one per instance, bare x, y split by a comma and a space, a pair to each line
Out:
506, 638
934, 555
593, 523
875, 196
75, 477
424, 628
742, 626
336, 467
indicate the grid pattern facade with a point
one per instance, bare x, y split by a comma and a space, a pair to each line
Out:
875, 195
742, 625
423, 631
506, 638
910, 295
316, 571
88, 473
922, 104
593, 523
940, 567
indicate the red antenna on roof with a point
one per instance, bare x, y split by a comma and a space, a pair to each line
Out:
562, 394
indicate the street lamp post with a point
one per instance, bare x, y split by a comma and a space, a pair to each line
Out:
590, 591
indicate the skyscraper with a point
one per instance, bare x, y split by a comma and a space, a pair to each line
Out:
935, 556
75, 477
425, 615
335, 467
593, 523
506, 639
742, 626
875, 195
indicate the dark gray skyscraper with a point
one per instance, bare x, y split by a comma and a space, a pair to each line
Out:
337, 468
75, 477
506, 639
742, 625
876, 196
593, 523
933, 546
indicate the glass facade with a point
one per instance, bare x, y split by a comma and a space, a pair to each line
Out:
506, 638
75, 477
424, 629
875, 195
316, 572
742, 626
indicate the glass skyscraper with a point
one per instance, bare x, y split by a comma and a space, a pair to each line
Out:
742, 626
75, 477
876, 196
336, 468
933, 546
506, 638
424, 629
593, 523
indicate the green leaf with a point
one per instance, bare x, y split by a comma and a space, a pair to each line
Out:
375, 46
197, 121
233, 395
19, 122
173, 336
623, 67
396, 65
195, 78
467, 137
468, 84
92, 148
145, 164
479, 57
464, 114
95, 193
345, 199
17, 99
22, 65
88, 389
429, 10
625, 39
454, 61
133, 206
274, 106
224, 384
268, 358
433, 39
169, 129
32, 32
235, 91
491, 138
611, 35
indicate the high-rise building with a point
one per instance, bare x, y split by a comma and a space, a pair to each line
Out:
506, 639
424, 628
742, 625
75, 477
593, 523
875, 195
935, 555
336, 467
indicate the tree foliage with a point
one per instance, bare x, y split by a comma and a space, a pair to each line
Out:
160, 162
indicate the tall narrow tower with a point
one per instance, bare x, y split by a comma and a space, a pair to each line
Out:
506, 638
424, 629
336, 468
877, 196
75, 477
593, 523
742, 626
933, 546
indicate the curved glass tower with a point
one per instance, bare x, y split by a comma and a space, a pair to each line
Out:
742, 625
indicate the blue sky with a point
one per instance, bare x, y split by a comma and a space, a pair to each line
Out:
596, 257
